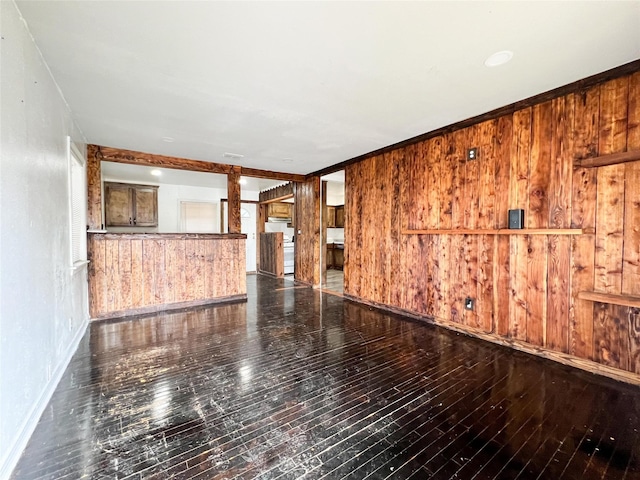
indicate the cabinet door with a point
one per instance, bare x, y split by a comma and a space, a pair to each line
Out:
118, 206
279, 210
146, 207
331, 217
340, 216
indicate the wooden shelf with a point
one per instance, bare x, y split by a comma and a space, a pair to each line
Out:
500, 231
625, 300
611, 159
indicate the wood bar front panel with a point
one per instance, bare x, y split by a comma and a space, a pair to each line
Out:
525, 286
132, 273
272, 254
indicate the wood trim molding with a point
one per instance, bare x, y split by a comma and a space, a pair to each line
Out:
119, 155
500, 231
624, 300
575, 87
611, 159
563, 358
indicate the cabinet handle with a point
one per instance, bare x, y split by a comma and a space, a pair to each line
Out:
130, 222
134, 221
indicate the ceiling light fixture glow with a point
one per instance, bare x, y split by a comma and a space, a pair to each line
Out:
242, 181
232, 155
168, 139
155, 172
499, 58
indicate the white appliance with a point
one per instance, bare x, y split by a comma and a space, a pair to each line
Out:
288, 257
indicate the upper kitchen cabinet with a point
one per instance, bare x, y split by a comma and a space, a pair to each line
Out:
331, 217
128, 205
280, 210
340, 216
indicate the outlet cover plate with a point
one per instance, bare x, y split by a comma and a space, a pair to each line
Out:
469, 303
472, 153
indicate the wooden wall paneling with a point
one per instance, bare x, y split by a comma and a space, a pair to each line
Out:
631, 253
583, 215
124, 268
393, 247
434, 161
137, 285
148, 267
421, 259
171, 270
469, 200
455, 154
94, 189
519, 198
412, 187
560, 188
611, 335
486, 219
631, 233
416, 182
233, 197
538, 217
97, 268
353, 230
444, 222
113, 276
611, 329
307, 244
501, 273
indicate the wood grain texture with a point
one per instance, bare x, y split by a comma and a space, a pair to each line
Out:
307, 235
135, 273
131, 157
610, 298
518, 199
581, 234
94, 190
583, 214
277, 194
610, 159
233, 199
272, 254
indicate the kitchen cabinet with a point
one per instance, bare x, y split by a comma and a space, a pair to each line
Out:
331, 217
280, 210
128, 205
335, 256
340, 216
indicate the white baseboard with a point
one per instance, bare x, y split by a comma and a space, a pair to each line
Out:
10, 460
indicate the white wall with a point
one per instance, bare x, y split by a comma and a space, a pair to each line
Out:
43, 304
169, 198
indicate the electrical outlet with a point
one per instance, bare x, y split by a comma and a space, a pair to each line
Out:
469, 303
472, 153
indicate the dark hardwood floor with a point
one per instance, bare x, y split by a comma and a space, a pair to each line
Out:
295, 383
334, 281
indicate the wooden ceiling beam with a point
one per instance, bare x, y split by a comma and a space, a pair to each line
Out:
285, 177
119, 155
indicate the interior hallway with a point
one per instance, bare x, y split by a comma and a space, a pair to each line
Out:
295, 383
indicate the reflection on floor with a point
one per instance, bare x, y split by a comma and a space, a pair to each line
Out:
296, 384
334, 281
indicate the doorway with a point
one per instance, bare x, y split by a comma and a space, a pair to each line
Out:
332, 196
248, 227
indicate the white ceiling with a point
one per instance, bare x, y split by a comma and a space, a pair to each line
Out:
312, 82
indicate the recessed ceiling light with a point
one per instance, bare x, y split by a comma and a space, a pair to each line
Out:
232, 155
155, 172
168, 139
499, 58
242, 181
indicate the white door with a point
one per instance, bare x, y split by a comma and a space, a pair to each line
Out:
248, 219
